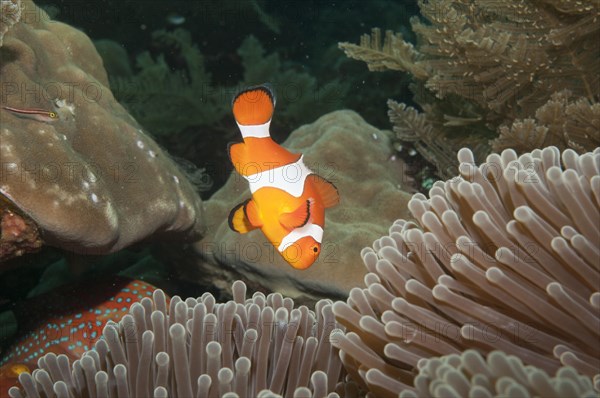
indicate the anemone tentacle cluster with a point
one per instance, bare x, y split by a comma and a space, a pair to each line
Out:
505, 256
469, 375
259, 347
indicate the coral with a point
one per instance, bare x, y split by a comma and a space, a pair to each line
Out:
165, 99
73, 160
562, 121
431, 141
197, 347
10, 14
114, 58
504, 256
300, 97
489, 63
468, 374
18, 234
347, 151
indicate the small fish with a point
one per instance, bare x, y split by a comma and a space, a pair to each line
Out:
175, 19
41, 115
68, 321
288, 200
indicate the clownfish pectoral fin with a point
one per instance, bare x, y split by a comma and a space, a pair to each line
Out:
238, 155
297, 218
327, 191
238, 220
252, 214
254, 105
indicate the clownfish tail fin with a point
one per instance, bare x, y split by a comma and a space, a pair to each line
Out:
254, 105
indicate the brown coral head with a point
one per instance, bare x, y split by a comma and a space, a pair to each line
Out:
73, 160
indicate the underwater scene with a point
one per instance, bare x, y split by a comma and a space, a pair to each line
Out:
299, 199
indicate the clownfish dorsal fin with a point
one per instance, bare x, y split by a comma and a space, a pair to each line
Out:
238, 220
254, 105
297, 218
327, 191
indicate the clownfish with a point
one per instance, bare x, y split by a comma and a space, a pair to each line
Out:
288, 199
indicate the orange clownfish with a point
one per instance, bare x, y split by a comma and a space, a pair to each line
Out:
288, 200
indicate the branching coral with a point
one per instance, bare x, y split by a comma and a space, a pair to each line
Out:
429, 139
560, 120
505, 256
261, 346
501, 60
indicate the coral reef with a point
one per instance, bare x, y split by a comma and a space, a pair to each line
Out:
468, 374
197, 347
479, 65
345, 150
73, 160
505, 256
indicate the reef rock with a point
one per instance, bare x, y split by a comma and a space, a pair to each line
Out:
357, 158
73, 159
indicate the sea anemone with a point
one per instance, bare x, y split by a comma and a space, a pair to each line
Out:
259, 347
503, 257
470, 375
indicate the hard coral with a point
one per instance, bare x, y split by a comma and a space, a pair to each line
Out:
18, 234
505, 256
72, 158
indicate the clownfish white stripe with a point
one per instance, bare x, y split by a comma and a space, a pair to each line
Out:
255, 130
289, 178
309, 229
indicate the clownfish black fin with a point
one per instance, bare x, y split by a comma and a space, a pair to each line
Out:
254, 105
297, 218
238, 220
327, 191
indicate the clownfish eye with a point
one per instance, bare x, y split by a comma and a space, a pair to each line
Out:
315, 249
